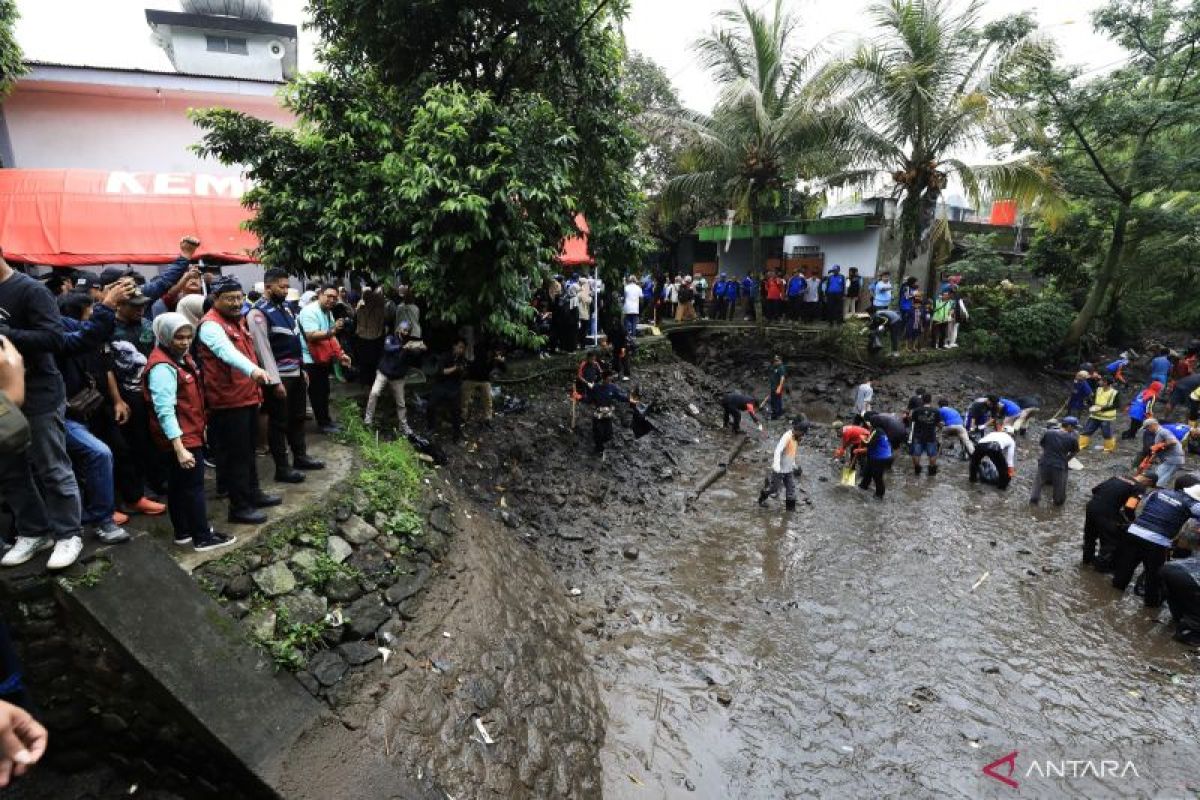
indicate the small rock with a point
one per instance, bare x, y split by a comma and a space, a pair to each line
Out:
339, 549
724, 697
275, 579
630, 553
441, 520
407, 586
993, 670
261, 624
357, 530
366, 614
307, 680
509, 519
304, 559
239, 587
342, 589
570, 535
328, 667
342, 513
389, 632
687, 784
358, 653
304, 607
435, 543
390, 543
238, 609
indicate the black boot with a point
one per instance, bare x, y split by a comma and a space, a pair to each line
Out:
916, 469
264, 500
791, 504
762, 497
304, 462
289, 476
932, 470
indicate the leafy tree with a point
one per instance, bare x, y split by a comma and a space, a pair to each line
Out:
935, 82
11, 64
454, 140
1122, 142
771, 129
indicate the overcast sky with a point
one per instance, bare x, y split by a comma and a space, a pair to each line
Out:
114, 32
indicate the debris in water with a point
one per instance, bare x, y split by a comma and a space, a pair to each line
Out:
575, 591
687, 784
847, 748
133, 788
693, 410
979, 582
447, 635
633, 778
334, 618
385, 653
487, 739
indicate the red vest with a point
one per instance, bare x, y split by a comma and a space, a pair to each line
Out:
224, 386
189, 400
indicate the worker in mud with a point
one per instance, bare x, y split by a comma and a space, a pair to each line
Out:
885, 321
606, 397
784, 466
1183, 431
894, 427
924, 423
1025, 408
879, 458
588, 376
1166, 452
953, 425
979, 413
1151, 536
1181, 586
1107, 517
1141, 408
1081, 393
1059, 446
1181, 395
733, 405
863, 396
1000, 449
1160, 366
851, 439
1103, 413
1115, 370
778, 376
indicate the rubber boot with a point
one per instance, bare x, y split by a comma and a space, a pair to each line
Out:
762, 497
932, 470
791, 504
916, 469
1084, 441
1110, 445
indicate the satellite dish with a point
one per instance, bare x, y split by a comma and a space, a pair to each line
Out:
276, 50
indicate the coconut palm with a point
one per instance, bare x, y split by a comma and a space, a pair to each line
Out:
770, 129
932, 86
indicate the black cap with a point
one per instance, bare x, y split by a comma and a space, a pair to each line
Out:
226, 283
113, 274
86, 281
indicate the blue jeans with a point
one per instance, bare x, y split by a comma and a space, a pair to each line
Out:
631, 323
1102, 425
94, 469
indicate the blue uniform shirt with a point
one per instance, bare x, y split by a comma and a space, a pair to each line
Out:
950, 416
1160, 369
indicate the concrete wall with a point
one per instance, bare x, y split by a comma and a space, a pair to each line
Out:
192, 55
140, 131
859, 249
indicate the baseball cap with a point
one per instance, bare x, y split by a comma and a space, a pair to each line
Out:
113, 274
1070, 421
86, 281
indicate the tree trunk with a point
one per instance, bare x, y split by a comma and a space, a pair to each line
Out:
910, 231
1104, 277
755, 235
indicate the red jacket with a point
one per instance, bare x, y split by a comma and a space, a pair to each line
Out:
224, 386
853, 436
189, 399
775, 288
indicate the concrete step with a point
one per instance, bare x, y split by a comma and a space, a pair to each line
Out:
197, 659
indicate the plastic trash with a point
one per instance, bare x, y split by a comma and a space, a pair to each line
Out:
484, 735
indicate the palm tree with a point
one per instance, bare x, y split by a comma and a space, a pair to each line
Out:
934, 84
769, 131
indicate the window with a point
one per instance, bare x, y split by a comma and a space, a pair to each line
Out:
227, 44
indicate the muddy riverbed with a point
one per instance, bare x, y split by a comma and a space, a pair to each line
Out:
853, 647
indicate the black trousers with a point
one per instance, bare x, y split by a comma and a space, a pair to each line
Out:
732, 416
185, 497
128, 478
149, 464
1135, 550
993, 453
285, 422
1056, 477
234, 431
602, 432
367, 353
793, 307
318, 392
872, 472
1183, 597
1105, 531
833, 308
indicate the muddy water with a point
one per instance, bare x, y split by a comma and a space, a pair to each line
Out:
858, 660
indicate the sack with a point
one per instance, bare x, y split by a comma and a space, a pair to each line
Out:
85, 402
14, 428
324, 351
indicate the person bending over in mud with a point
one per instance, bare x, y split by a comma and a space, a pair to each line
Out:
733, 405
784, 466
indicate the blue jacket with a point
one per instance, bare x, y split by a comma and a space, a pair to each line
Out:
1165, 512
796, 286
1010, 408
835, 284
1137, 409
906, 298
1081, 393
749, 285
950, 416
1180, 429
879, 446
731, 290
1160, 369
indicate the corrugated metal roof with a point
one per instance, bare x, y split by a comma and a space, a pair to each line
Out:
138, 71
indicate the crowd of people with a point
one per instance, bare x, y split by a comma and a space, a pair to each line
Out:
132, 388
1149, 517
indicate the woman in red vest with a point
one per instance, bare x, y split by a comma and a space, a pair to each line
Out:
174, 388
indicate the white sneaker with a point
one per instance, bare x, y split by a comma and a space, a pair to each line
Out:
26, 548
65, 553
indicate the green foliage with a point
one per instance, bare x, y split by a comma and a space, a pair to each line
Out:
457, 145
91, 576
11, 64
981, 261
294, 642
1034, 332
392, 476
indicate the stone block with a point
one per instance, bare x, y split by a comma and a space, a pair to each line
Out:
275, 579
357, 530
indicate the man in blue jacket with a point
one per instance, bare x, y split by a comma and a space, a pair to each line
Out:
1152, 533
718, 297
795, 295
731, 297
749, 291
834, 290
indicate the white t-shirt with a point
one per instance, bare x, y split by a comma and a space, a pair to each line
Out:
863, 398
633, 299
811, 291
1007, 445
673, 293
